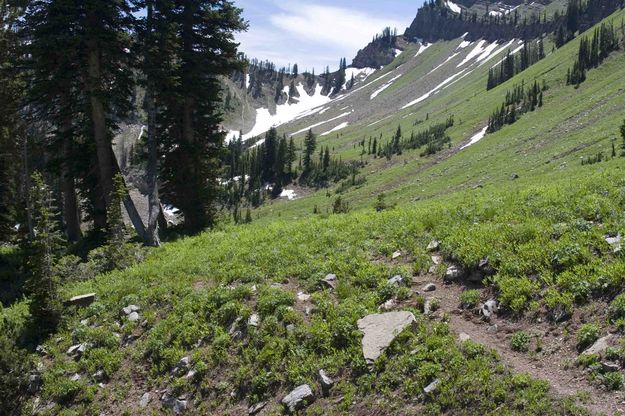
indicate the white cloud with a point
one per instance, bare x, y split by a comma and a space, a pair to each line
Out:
313, 35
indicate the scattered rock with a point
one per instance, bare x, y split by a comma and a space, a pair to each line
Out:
453, 273
235, 325
434, 245
145, 400
326, 382
298, 398
615, 242
98, 376
75, 377
380, 330
290, 328
77, 350
396, 255
437, 260
133, 317
559, 314
610, 367
492, 329
432, 269
389, 305
174, 404
396, 280
303, 297
430, 287
191, 374
182, 367
485, 267
600, 345
514, 176
330, 281
41, 350
130, 309
489, 308
253, 320
34, 382
430, 388
255, 408
81, 300
464, 337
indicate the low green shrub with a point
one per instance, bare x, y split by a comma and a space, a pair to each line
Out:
470, 298
520, 341
587, 335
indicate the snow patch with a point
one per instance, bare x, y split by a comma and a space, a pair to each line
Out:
321, 123
337, 128
436, 89
477, 51
288, 194
384, 87
247, 81
397, 52
479, 136
422, 48
447, 60
359, 75
453, 7
380, 120
287, 112
463, 44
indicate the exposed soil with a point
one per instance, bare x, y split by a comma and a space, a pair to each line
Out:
554, 362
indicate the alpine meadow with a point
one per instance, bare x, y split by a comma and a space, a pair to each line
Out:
433, 226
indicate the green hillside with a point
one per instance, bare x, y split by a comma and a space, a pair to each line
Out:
504, 261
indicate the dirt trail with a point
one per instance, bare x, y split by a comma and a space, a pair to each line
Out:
555, 362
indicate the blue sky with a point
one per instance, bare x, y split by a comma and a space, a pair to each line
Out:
316, 33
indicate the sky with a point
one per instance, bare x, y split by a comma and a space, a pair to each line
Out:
318, 33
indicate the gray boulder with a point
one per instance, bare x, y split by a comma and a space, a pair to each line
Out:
255, 408
298, 398
133, 317
326, 382
380, 330
453, 273
489, 308
396, 255
430, 287
430, 388
463, 337
81, 300
174, 404
182, 367
329, 281
434, 245
145, 400
253, 320
615, 243
600, 345
130, 309
396, 280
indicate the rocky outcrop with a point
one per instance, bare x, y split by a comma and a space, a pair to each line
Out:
380, 330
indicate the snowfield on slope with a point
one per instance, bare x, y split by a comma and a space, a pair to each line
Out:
476, 138
286, 112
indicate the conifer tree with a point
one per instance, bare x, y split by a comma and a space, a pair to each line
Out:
310, 144
205, 48
43, 250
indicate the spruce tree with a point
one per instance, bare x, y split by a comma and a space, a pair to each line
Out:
310, 144
623, 135
204, 49
42, 252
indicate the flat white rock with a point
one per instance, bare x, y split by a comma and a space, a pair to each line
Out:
381, 329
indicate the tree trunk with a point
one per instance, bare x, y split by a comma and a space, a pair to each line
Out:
104, 151
129, 204
151, 234
71, 210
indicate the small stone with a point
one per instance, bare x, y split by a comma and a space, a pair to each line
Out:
492, 329
464, 337
396, 255
326, 382
130, 309
432, 269
430, 388
145, 400
75, 377
172, 403
434, 245
81, 300
427, 307
191, 374
615, 242
133, 317
253, 320
489, 308
330, 281
298, 398
256, 408
430, 287
396, 280
610, 367
452, 273
388, 305
41, 350
290, 328
182, 366
514, 176
77, 350
303, 297
84, 322
600, 345
234, 326
99, 375
437, 260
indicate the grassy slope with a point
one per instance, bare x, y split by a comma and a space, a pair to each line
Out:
542, 145
193, 290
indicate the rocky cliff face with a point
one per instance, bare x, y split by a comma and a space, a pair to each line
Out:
379, 53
